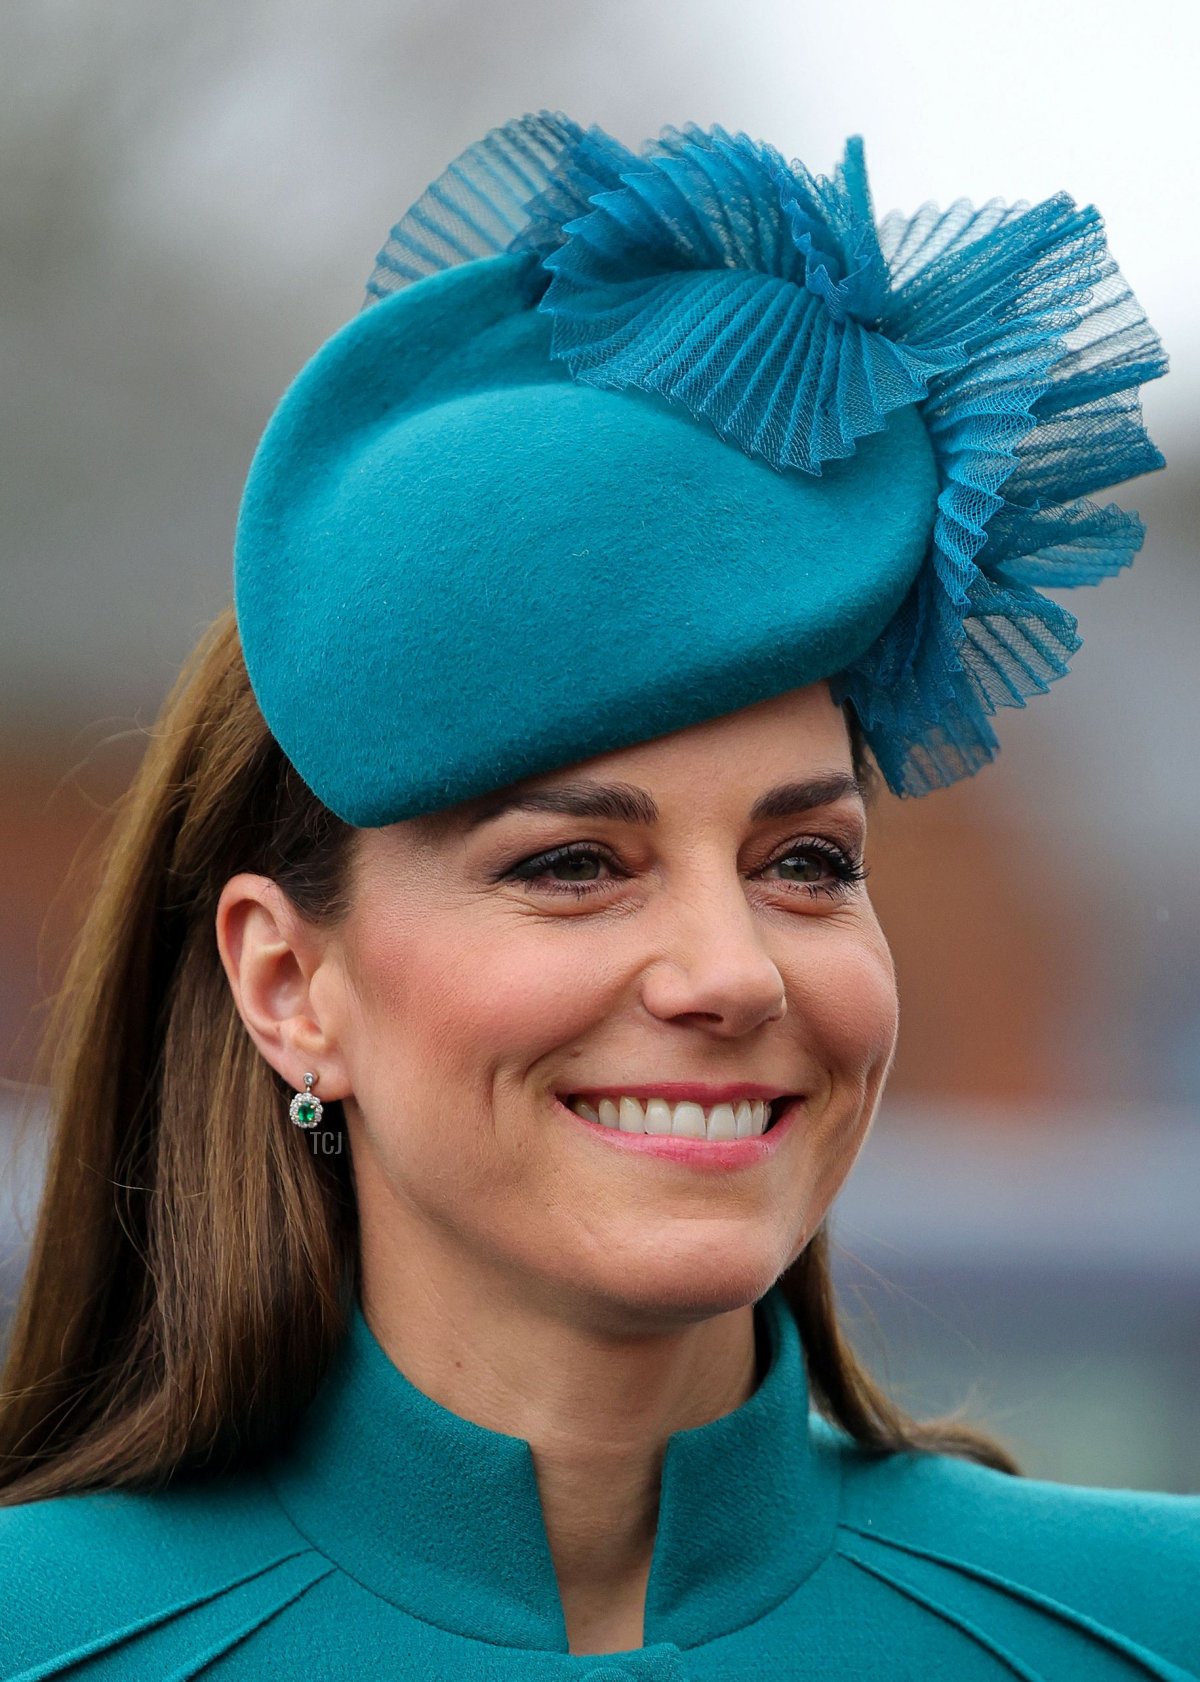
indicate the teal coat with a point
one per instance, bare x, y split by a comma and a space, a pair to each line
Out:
394, 1539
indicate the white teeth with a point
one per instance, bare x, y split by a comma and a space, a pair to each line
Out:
686, 1120
722, 1122
658, 1116
631, 1116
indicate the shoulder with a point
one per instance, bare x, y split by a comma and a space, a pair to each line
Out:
81, 1574
1119, 1567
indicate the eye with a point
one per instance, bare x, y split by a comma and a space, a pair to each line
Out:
838, 872
533, 871
842, 871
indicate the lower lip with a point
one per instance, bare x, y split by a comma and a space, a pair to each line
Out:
718, 1156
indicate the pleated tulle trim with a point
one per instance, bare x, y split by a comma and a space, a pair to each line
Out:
773, 305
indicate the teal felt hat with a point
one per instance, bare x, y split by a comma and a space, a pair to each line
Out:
622, 442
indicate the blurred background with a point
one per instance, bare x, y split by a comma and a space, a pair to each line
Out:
191, 202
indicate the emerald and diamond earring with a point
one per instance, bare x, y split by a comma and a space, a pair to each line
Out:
306, 1108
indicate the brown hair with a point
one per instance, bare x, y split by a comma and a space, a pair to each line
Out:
194, 1261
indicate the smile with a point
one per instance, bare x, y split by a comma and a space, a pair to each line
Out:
719, 1152
684, 1119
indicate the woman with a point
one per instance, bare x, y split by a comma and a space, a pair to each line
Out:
510, 840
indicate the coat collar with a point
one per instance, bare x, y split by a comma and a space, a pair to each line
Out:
442, 1517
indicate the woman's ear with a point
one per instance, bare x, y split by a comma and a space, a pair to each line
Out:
285, 980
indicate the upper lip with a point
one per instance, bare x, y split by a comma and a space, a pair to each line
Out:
681, 1091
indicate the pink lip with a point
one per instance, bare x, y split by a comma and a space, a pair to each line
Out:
716, 1156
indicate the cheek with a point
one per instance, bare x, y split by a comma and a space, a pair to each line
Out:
851, 1017
847, 999
454, 1028
458, 1012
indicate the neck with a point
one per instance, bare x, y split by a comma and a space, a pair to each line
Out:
595, 1403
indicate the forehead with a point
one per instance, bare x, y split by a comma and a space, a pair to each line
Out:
764, 761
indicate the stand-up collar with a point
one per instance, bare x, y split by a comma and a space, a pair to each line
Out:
442, 1517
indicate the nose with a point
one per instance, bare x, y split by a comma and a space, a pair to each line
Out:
712, 964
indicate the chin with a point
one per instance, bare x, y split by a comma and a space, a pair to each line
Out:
683, 1284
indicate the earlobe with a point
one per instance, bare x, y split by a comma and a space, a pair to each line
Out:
271, 957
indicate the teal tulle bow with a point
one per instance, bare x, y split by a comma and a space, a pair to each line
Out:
771, 303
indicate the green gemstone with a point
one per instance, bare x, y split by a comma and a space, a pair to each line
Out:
306, 1112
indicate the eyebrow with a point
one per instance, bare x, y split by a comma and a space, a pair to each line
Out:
628, 804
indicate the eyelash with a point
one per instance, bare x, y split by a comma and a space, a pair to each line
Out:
847, 871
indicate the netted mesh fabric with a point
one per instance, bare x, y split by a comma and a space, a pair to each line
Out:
478, 205
707, 269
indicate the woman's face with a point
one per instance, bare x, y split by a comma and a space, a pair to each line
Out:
476, 978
